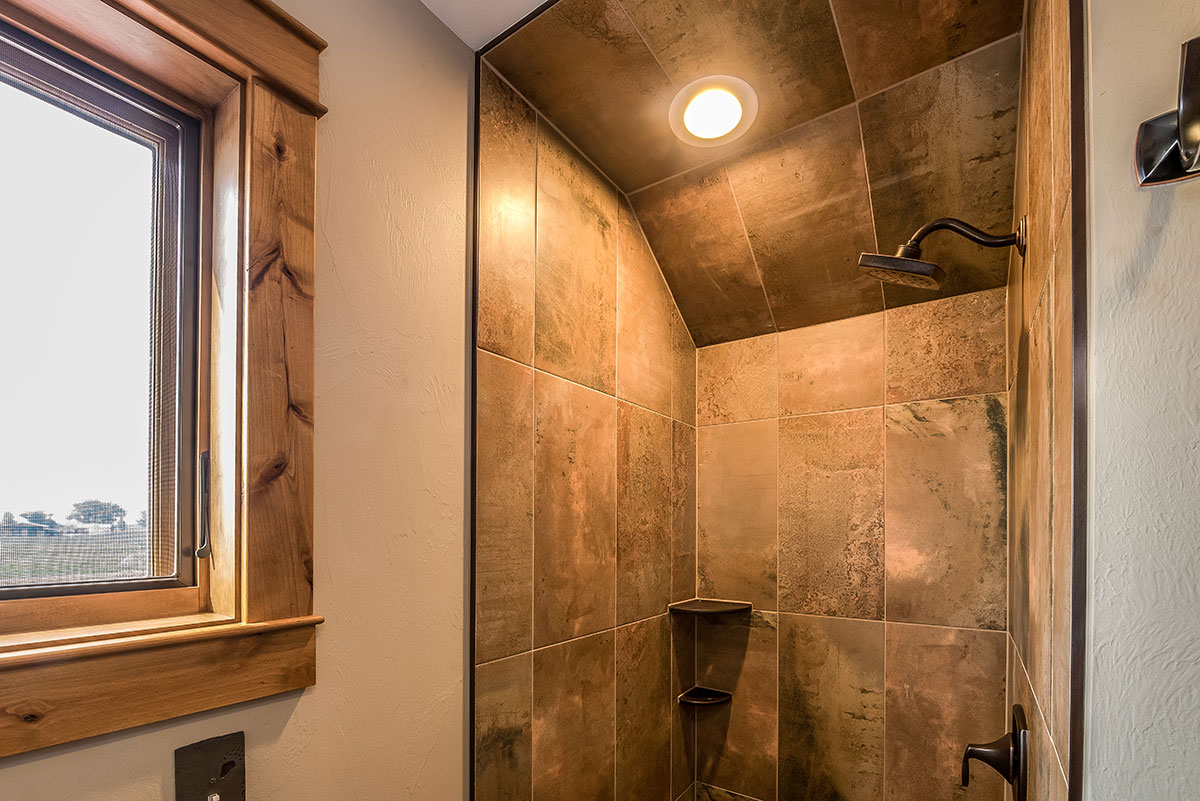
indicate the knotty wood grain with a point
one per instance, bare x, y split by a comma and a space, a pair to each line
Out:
43, 704
279, 359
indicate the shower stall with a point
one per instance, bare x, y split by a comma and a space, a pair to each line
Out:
750, 522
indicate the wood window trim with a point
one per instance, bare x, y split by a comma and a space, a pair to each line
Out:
78, 666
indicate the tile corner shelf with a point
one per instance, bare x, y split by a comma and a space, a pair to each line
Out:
705, 696
710, 606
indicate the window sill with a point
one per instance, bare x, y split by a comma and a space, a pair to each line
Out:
64, 691
38, 641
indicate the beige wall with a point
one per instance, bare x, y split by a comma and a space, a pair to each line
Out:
1143, 671
385, 720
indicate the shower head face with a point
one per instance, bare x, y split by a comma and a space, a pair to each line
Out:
903, 271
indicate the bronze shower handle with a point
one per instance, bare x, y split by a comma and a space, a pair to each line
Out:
1008, 756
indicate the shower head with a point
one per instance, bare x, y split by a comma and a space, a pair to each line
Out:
908, 269
902, 270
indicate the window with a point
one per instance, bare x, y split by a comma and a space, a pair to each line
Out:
157, 272
98, 330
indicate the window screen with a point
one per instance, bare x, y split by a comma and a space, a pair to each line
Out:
97, 329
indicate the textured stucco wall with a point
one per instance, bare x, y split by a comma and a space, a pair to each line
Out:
385, 720
1143, 703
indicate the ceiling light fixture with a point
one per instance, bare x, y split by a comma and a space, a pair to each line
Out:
713, 111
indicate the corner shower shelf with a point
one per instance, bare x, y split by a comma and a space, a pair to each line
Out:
710, 606
705, 696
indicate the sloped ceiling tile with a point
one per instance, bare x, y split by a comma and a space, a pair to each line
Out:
693, 225
916, 35
789, 52
804, 200
943, 144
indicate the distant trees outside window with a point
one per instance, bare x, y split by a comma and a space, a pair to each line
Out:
89, 515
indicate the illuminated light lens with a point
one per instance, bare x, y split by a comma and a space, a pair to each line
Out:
713, 111
712, 114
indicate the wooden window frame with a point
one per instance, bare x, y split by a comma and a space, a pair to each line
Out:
76, 666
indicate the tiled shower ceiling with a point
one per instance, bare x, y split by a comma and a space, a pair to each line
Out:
875, 117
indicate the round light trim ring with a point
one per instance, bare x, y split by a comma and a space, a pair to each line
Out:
716, 88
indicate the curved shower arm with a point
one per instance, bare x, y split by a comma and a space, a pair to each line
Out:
913, 248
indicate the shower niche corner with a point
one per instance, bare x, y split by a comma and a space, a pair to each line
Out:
710, 606
694, 609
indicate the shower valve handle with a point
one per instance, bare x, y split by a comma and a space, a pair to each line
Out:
1008, 756
998, 754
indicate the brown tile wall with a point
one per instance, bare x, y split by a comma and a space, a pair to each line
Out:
852, 484
1040, 367
585, 481
856, 479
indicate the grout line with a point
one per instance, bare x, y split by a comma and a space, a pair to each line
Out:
893, 309
894, 404
1036, 702
862, 138
941, 399
537, 226
737, 422
883, 514
646, 44
696, 579
537, 242
542, 118
671, 671
610, 630
750, 246
778, 523
940, 626
616, 451
696, 463
663, 276
545, 372
837, 28
674, 532
730, 792
943, 627
936, 67
778, 577
832, 411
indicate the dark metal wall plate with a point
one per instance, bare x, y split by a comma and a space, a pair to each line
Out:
212, 767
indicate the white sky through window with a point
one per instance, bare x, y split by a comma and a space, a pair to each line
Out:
75, 281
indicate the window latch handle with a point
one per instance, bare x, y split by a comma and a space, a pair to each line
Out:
203, 543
